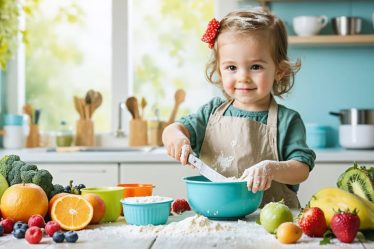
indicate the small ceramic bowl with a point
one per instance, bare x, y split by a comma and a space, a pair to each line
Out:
150, 210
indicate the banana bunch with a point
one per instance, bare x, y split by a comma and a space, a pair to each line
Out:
330, 200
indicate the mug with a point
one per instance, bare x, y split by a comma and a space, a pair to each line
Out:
309, 25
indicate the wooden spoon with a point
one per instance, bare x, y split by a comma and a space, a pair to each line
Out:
179, 96
132, 106
27, 109
96, 101
77, 106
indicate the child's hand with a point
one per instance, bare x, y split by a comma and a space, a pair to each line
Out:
259, 176
179, 149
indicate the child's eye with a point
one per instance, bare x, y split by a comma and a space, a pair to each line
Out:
231, 68
256, 67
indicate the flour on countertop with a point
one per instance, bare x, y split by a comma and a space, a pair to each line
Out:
147, 199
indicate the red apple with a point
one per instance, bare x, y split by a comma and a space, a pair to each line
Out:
36, 220
8, 225
34, 235
51, 227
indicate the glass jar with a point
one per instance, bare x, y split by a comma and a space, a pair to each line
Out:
64, 137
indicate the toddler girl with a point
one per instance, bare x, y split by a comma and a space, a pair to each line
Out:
248, 135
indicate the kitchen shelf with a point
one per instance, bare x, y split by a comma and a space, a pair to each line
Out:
327, 40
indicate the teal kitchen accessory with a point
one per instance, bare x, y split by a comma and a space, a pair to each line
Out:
221, 200
146, 210
316, 135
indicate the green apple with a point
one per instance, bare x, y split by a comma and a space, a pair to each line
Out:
3, 185
273, 214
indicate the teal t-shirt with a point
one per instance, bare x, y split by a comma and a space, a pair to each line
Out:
291, 135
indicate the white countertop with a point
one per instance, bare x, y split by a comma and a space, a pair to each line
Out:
235, 234
158, 155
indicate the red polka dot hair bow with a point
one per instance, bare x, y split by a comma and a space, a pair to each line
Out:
211, 32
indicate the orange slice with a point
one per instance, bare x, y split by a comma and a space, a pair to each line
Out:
72, 212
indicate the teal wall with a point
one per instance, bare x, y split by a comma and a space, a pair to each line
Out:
331, 77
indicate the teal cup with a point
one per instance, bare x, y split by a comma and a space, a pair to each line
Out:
111, 197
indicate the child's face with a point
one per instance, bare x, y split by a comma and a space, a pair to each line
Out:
247, 69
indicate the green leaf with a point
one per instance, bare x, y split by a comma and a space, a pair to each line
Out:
327, 236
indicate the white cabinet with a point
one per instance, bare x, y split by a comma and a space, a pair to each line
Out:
167, 177
323, 175
90, 174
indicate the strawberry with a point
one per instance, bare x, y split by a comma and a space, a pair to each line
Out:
345, 225
313, 222
180, 205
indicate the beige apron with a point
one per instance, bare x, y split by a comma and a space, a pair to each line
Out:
233, 144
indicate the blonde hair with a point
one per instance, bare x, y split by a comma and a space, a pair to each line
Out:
246, 22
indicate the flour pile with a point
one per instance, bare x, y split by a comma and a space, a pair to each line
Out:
195, 224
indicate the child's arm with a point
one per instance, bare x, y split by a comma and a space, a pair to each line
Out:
174, 137
259, 176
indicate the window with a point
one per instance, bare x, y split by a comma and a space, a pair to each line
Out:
167, 54
146, 48
68, 52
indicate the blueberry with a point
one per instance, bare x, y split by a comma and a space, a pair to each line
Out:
1, 230
19, 233
71, 236
58, 237
80, 186
19, 225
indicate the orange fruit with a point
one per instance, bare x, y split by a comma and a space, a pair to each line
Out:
72, 212
288, 233
53, 199
98, 205
20, 201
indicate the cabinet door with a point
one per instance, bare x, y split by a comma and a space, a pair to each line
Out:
91, 175
167, 178
323, 175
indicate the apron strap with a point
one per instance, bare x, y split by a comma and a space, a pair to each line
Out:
273, 113
218, 113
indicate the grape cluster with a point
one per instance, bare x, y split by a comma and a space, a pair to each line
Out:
73, 189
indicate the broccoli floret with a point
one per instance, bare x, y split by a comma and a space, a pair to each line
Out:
26, 176
6, 164
14, 176
44, 179
57, 188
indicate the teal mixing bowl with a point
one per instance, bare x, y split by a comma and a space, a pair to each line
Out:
221, 200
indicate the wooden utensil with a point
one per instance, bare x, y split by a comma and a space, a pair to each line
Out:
96, 101
132, 106
143, 104
28, 110
179, 97
88, 99
77, 106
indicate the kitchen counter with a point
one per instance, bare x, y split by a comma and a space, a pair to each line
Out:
208, 234
158, 155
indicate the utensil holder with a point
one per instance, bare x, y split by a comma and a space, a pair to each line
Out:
85, 135
33, 139
138, 132
155, 129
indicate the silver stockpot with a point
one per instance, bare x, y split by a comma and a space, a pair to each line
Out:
355, 116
